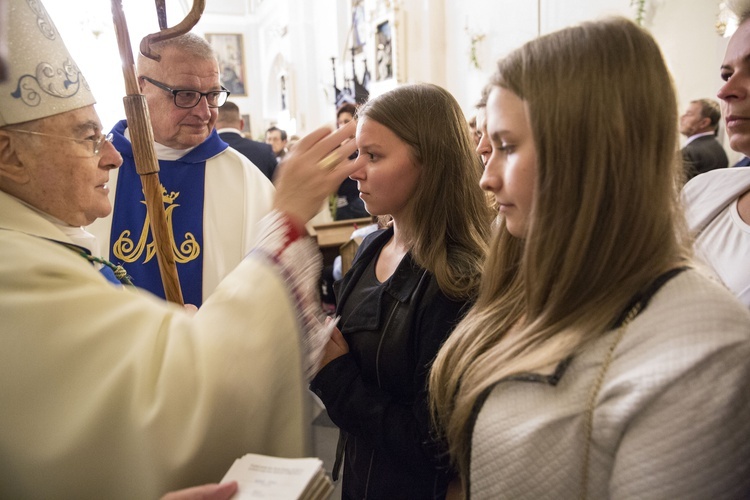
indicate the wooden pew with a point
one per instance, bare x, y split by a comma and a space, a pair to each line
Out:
332, 235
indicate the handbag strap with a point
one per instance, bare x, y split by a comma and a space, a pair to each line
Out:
589, 416
639, 303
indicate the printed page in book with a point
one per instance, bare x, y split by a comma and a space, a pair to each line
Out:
265, 477
321, 489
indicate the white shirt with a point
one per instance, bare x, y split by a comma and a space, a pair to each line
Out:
722, 239
695, 136
718, 246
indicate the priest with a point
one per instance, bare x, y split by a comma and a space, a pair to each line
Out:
214, 196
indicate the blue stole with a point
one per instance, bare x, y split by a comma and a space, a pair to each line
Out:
131, 241
109, 274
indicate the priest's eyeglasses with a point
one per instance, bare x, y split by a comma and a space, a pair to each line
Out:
96, 144
190, 98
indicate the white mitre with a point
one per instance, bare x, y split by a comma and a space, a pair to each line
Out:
43, 79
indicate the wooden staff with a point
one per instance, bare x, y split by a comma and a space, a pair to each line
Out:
4, 69
183, 27
142, 136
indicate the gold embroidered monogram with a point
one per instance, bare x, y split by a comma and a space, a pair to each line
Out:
127, 251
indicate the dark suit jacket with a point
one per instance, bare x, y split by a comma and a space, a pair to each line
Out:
259, 153
703, 154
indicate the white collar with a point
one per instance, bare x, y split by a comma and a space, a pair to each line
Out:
164, 152
230, 130
695, 136
77, 234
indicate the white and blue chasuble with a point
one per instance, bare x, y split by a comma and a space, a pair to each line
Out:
131, 241
214, 198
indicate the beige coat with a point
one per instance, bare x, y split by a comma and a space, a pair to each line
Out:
110, 393
671, 420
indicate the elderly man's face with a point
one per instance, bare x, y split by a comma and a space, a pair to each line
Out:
59, 176
175, 127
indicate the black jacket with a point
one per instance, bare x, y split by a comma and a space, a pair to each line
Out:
259, 153
377, 393
703, 154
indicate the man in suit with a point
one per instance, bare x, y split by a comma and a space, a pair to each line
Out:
277, 139
702, 152
229, 125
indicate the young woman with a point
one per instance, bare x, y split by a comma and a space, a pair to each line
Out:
408, 287
595, 363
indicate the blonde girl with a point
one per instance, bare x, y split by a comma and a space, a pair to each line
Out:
595, 363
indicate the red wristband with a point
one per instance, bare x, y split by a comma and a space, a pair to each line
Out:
295, 229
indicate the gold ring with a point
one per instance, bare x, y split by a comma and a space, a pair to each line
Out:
329, 162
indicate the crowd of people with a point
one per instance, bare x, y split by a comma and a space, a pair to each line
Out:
547, 309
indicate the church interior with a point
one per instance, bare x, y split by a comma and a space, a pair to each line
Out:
292, 64
286, 59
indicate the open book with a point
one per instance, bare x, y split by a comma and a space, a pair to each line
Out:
261, 476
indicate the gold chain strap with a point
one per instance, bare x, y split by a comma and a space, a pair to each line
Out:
589, 422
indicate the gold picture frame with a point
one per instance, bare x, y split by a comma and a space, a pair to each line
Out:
229, 49
386, 50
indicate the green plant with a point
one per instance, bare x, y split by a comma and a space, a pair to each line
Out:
474, 39
640, 10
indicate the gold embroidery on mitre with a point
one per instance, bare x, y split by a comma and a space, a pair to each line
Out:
128, 251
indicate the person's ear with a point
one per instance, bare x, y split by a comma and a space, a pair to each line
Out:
242, 124
705, 122
11, 166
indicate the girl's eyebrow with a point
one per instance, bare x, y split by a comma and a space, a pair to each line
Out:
497, 136
728, 67
368, 145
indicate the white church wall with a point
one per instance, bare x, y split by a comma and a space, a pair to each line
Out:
497, 26
435, 43
684, 29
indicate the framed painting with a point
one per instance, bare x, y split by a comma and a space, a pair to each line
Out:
359, 28
386, 50
229, 51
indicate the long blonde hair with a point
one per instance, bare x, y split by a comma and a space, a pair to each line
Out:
447, 224
605, 219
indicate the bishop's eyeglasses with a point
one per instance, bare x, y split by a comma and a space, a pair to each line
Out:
184, 98
96, 144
